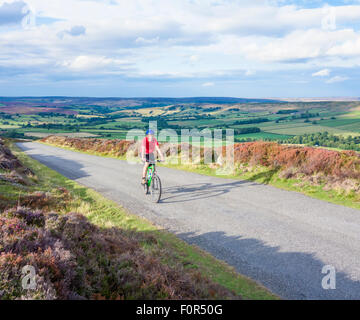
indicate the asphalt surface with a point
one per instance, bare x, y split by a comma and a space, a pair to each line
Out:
280, 239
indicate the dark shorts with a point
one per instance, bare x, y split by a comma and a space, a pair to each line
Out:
150, 157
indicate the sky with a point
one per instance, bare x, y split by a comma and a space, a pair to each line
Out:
180, 48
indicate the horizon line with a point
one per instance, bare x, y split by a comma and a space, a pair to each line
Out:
348, 98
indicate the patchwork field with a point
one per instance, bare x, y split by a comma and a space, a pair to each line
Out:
268, 120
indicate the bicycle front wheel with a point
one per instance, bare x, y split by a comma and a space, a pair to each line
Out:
146, 188
155, 189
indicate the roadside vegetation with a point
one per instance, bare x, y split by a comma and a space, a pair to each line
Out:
329, 175
84, 246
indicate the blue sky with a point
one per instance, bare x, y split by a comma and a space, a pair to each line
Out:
179, 48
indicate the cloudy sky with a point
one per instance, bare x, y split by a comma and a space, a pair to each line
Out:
178, 48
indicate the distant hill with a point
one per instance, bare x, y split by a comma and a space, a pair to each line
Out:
330, 99
215, 100
65, 105
67, 100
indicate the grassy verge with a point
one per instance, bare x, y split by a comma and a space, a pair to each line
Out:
106, 214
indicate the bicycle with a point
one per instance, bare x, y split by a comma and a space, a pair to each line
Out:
153, 183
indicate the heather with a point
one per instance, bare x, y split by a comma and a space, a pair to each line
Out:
75, 259
115, 147
18, 185
300, 161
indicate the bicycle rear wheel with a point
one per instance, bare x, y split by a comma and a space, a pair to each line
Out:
155, 189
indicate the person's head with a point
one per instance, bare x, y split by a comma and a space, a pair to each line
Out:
150, 134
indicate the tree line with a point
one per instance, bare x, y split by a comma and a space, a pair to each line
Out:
325, 139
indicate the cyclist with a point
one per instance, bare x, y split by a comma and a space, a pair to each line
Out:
148, 146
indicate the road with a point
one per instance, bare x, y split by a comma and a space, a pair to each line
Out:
279, 238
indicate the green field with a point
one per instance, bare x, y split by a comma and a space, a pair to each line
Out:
295, 128
112, 119
263, 136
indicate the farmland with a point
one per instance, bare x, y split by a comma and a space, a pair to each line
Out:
112, 118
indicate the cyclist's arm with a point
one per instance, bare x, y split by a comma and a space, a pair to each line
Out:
160, 153
142, 152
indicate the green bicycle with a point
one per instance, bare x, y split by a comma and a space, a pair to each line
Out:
153, 183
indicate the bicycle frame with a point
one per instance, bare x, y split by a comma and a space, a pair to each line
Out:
150, 173
153, 183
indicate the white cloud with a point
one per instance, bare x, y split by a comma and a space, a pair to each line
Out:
322, 73
298, 46
337, 79
141, 40
89, 63
348, 48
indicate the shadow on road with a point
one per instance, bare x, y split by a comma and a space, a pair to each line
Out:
69, 168
296, 275
197, 191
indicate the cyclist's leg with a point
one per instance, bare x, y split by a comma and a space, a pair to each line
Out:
145, 168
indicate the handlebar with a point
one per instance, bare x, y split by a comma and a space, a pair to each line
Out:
156, 161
